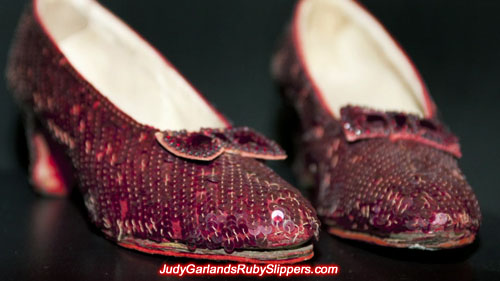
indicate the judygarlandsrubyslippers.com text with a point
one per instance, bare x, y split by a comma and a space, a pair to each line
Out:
192, 269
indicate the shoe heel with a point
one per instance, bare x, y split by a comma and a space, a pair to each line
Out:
50, 169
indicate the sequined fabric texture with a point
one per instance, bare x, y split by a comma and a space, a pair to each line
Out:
378, 179
134, 187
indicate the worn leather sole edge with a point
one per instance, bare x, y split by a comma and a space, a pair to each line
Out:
281, 256
422, 243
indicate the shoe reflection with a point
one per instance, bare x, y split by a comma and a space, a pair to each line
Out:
45, 225
360, 261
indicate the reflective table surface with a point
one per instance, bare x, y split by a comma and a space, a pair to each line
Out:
223, 47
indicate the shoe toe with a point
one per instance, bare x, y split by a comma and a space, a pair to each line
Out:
257, 209
236, 203
403, 192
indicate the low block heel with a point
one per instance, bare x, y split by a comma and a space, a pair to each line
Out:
50, 170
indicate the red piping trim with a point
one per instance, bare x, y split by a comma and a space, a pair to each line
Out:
429, 106
165, 60
301, 57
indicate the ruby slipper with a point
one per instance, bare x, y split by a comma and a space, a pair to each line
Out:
161, 171
384, 166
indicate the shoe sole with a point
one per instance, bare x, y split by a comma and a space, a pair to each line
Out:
421, 242
282, 256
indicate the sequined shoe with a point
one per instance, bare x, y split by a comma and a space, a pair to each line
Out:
161, 171
384, 166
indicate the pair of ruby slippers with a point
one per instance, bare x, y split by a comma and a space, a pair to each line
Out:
162, 171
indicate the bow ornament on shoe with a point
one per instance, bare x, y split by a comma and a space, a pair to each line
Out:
364, 123
207, 144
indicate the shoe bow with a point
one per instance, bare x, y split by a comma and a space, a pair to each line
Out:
363, 123
207, 144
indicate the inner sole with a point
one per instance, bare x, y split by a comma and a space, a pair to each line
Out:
354, 61
123, 67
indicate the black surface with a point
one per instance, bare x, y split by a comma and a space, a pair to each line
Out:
223, 48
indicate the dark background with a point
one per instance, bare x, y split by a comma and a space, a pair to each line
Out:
224, 47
